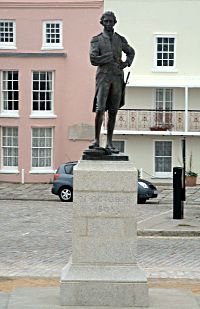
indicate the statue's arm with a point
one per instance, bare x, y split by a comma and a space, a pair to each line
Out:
129, 51
95, 57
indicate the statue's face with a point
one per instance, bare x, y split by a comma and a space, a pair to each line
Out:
108, 23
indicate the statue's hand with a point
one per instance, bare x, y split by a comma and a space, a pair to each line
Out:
123, 65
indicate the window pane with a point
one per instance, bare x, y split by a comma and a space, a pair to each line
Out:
167, 148
52, 34
35, 142
35, 162
48, 142
42, 91
167, 165
10, 87
164, 46
7, 32
159, 63
10, 146
48, 132
35, 76
163, 156
41, 147
42, 142
159, 165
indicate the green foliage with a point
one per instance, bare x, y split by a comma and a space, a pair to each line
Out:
190, 172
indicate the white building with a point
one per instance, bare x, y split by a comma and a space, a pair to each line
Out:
163, 94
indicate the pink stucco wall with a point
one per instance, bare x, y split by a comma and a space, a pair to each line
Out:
74, 76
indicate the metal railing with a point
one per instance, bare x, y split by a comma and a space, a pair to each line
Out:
157, 120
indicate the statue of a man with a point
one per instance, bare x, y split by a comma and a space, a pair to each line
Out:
106, 53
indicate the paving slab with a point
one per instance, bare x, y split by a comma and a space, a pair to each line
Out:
163, 224
4, 297
48, 298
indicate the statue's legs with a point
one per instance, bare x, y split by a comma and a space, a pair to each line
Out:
110, 128
114, 103
98, 124
108, 97
101, 98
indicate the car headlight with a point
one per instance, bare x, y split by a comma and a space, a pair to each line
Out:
142, 184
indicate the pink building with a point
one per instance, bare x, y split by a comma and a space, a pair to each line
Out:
46, 85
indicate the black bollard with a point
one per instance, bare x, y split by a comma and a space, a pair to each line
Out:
177, 193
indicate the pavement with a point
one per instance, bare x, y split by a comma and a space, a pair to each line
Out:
155, 219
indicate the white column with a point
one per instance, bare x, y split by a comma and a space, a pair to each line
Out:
186, 109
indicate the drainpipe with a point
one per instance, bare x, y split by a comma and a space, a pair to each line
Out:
22, 179
186, 109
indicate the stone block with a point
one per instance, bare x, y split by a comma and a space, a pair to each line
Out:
106, 176
104, 250
112, 286
101, 204
111, 227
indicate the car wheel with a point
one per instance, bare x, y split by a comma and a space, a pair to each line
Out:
66, 194
141, 201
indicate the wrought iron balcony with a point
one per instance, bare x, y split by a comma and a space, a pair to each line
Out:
157, 120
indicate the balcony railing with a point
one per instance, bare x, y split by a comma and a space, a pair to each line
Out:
157, 120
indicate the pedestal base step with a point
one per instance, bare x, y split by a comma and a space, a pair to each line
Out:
112, 286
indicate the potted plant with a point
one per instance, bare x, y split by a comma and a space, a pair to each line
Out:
161, 127
191, 176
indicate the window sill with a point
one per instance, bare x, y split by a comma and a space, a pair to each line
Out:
8, 47
164, 70
43, 116
7, 115
42, 171
9, 171
162, 177
52, 47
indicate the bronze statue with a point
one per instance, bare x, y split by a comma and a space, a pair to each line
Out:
106, 53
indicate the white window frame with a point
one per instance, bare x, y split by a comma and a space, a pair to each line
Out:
9, 45
42, 169
8, 112
164, 68
43, 113
9, 168
164, 113
47, 45
162, 174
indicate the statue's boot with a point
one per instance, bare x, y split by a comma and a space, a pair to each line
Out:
94, 145
112, 148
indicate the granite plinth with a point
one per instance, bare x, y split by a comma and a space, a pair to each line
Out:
103, 285
103, 270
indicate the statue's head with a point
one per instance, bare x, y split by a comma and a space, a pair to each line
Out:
108, 17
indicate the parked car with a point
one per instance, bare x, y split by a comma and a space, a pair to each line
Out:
63, 185
146, 190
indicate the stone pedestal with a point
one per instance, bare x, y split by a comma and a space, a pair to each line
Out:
103, 269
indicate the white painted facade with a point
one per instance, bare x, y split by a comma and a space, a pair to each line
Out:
164, 85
